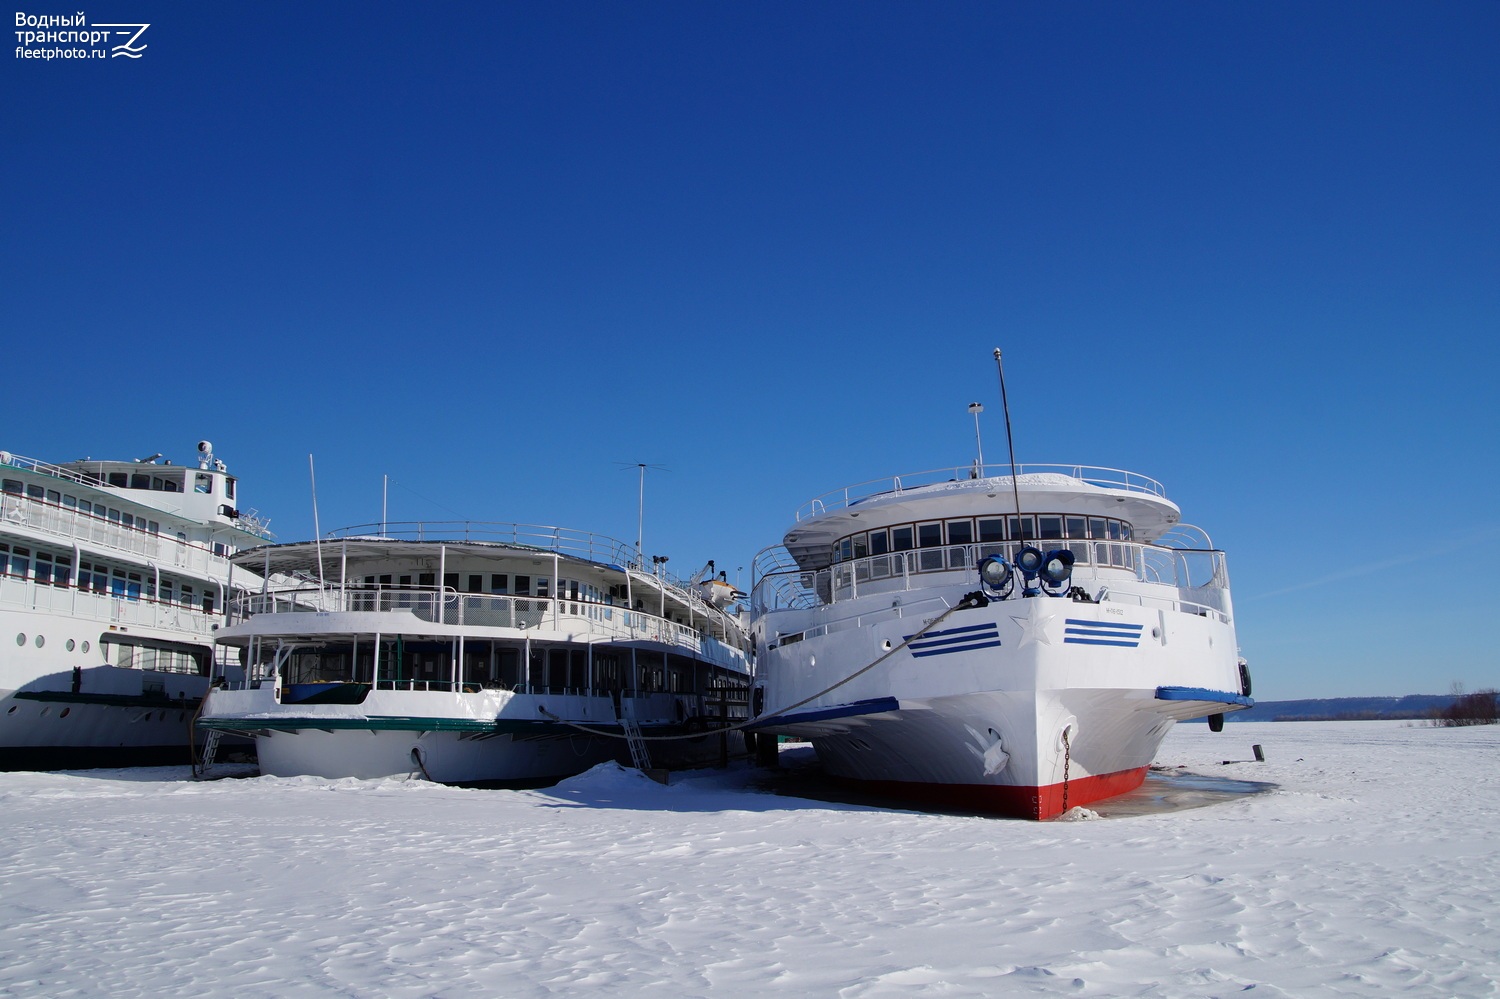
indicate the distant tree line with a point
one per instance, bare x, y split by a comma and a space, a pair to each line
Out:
1478, 708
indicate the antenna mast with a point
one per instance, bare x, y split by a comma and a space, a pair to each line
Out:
1010, 443
317, 531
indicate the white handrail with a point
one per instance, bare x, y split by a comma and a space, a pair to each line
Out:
1109, 478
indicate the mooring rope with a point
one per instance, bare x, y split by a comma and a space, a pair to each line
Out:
969, 600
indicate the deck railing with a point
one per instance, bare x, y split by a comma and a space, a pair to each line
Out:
106, 608
448, 607
563, 540
23, 511
1180, 574
1109, 478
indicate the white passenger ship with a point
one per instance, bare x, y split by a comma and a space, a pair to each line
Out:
478, 653
113, 575
1009, 643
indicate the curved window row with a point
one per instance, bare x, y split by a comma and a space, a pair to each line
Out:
983, 530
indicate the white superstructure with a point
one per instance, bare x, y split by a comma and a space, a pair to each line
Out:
113, 577
475, 653
1009, 643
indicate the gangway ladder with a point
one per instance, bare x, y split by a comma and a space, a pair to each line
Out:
637, 743
210, 750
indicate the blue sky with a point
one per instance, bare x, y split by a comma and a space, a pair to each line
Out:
496, 250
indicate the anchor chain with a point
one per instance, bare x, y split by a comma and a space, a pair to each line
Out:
1067, 764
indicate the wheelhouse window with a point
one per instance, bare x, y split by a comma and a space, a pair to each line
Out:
993, 535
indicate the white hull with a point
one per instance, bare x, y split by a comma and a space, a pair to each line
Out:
1009, 693
983, 728
445, 757
102, 715
113, 577
487, 736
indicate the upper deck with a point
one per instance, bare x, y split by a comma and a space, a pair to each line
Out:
138, 520
522, 573
896, 485
193, 501
958, 506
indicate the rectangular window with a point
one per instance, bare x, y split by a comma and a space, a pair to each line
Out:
845, 550
476, 583
901, 539
84, 506
450, 580
1023, 528
861, 545
119, 479
879, 542
929, 535
1051, 528
54, 497
1078, 527
427, 580
70, 502
523, 586
499, 582
960, 532
140, 480
991, 530
1096, 528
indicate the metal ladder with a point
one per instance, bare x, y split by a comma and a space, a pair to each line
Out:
210, 750
637, 743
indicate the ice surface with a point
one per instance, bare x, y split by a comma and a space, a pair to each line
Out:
1370, 869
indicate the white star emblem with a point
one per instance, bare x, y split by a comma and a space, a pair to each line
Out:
1033, 629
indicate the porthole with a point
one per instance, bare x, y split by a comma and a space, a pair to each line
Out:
64, 712
40, 641
46, 712
85, 646
21, 638
70, 645
12, 709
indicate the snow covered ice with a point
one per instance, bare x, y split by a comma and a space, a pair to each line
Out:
1370, 869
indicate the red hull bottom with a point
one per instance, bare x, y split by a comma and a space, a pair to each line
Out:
1008, 800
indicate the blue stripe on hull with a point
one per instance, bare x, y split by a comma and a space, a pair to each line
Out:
1202, 694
